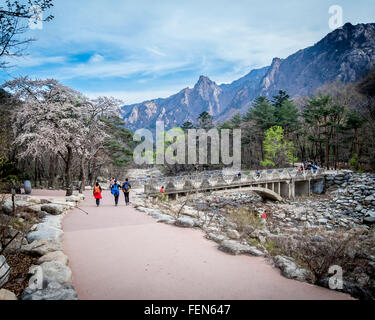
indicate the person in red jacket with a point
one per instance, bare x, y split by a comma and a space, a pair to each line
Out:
97, 193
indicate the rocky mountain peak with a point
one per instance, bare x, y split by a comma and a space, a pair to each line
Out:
346, 54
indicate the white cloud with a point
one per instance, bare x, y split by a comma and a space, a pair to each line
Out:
131, 97
96, 58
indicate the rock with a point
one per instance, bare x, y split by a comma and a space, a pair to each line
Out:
234, 247
7, 295
53, 208
41, 247
185, 222
216, 237
317, 238
322, 221
58, 256
4, 271
45, 232
369, 220
53, 291
233, 234
7, 206
73, 199
55, 271
291, 270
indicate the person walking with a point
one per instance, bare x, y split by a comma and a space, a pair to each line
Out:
115, 190
97, 193
126, 186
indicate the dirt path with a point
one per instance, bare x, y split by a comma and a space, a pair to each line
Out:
121, 253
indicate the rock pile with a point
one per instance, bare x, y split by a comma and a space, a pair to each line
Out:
43, 240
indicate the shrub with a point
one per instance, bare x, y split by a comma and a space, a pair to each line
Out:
247, 220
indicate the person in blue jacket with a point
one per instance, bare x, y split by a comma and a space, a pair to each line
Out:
115, 190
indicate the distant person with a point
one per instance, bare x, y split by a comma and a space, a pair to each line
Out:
257, 173
162, 190
239, 175
126, 186
300, 169
264, 215
97, 192
115, 190
315, 168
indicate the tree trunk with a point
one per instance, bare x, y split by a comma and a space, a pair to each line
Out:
52, 171
68, 178
82, 177
356, 141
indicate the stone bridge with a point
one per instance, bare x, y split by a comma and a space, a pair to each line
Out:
274, 184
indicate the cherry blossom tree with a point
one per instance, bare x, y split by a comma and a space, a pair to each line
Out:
52, 119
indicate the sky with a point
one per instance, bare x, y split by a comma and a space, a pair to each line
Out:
145, 49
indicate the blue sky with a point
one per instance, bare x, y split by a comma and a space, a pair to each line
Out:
138, 50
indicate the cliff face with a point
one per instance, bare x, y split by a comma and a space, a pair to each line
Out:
346, 54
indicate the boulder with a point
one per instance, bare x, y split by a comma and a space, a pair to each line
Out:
55, 271
369, 220
7, 295
53, 291
185, 222
53, 221
73, 198
45, 232
233, 234
53, 208
7, 206
165, 218
41, 247
292, 270
216, 237
58, 256
234, 247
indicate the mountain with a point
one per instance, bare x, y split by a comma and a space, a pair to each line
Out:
346, 54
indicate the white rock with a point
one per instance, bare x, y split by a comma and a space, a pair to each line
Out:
185, 222
53, 291
233, 234
7, 295
54, 256
234, 247
45, 232
42, 247
291, 270
55, 271
53, 208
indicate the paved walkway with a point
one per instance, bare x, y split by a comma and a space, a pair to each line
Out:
121, 253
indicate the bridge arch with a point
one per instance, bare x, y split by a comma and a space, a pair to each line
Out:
266, 193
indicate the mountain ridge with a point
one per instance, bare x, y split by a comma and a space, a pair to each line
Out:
346, 54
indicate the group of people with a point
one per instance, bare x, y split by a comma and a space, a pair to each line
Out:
115, 188
309, 165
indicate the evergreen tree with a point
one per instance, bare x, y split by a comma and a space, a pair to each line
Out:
263, 113
280, 99
287, 116
205, 121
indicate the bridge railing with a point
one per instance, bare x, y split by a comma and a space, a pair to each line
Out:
195, 182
